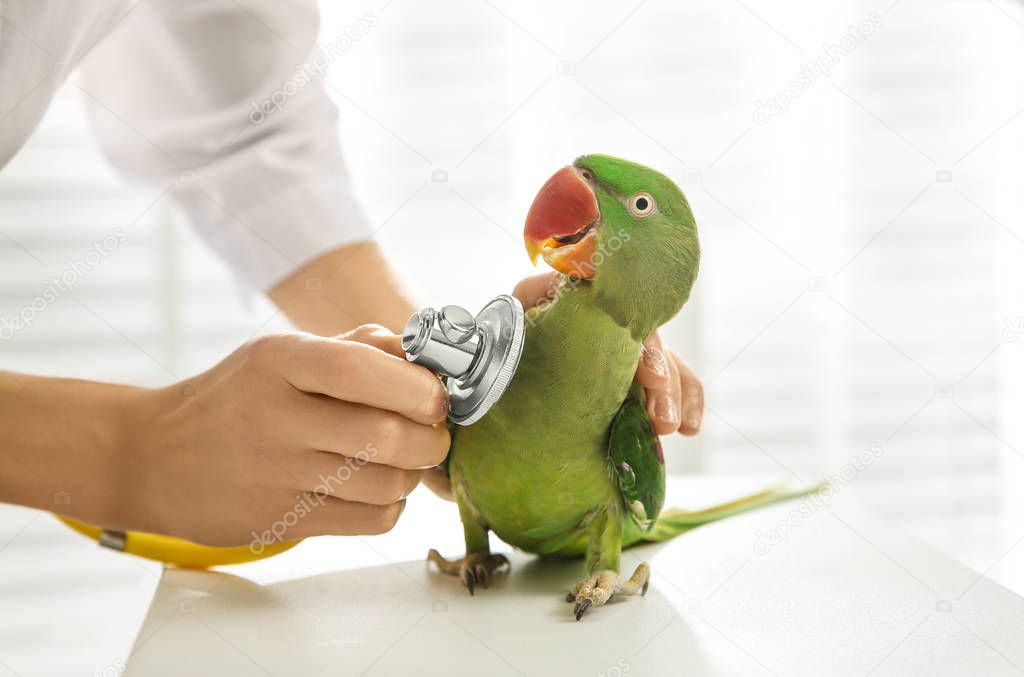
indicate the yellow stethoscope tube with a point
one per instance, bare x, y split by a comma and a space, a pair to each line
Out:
174, 551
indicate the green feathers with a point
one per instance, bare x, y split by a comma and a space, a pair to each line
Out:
649, 257
634, 452
567, 460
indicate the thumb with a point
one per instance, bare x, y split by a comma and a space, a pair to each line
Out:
532, 290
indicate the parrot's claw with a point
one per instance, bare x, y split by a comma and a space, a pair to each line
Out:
474, 569
598, 588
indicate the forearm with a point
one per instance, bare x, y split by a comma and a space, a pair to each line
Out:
343, 289
60, 436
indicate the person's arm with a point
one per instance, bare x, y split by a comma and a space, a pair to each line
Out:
309, 434
225, 108
349, 286
59, 434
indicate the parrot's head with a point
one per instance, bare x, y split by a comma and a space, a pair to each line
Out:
622, 228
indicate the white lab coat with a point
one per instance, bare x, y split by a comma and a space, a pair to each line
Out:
176, 92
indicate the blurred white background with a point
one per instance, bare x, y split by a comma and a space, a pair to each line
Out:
863, 248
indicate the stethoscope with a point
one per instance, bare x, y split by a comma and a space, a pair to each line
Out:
477, 358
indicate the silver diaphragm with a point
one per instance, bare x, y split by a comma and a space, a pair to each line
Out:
477, 356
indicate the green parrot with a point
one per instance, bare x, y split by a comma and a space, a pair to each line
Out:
567, 463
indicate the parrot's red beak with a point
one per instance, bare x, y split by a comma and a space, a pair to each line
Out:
562, 224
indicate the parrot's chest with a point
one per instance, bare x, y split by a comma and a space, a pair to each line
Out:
531, 492
536, 467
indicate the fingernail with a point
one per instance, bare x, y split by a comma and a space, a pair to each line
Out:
654, 360
695, 423
665, 409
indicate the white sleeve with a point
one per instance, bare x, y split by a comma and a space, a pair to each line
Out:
226, 104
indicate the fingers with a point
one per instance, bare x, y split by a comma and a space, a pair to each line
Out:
652, 371
438, 482
356, 372
692, 399
675, 396
377, 336
328, 515
532, 290
663, 403
356, 479
375, 435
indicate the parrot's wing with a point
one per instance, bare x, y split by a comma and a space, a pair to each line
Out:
634, 452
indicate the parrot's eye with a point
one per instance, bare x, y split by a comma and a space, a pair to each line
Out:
587, 175
641, 204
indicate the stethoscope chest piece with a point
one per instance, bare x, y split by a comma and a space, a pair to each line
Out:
478, 356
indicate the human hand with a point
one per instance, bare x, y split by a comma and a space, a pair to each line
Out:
675, 396
292, 435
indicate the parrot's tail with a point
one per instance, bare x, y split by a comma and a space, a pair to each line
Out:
672, 522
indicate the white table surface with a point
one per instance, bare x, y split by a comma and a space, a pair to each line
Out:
845, 595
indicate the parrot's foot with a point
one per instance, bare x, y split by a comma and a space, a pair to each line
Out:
473, 569
597, 589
